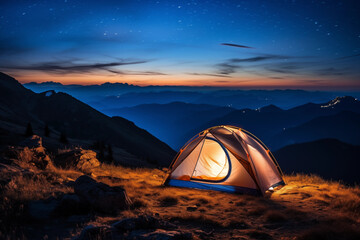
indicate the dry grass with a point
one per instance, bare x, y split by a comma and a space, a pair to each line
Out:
305, 200
318, 192
40, 186
23, 188
275, 216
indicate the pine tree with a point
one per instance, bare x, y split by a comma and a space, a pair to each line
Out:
63, 139
110, 157
101, 155
46, 131
29, 132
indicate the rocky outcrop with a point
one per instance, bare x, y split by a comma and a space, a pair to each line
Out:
8, 172
141, 222
101, 197
63, 206
160, 234
95, 232
33, 142
31, 151
78, 158
144, 227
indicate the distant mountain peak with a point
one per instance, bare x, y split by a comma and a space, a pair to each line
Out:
340, 100
48, 83
270, 108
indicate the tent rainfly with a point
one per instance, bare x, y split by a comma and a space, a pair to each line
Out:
225, 158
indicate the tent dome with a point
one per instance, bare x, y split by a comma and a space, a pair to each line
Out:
225, 158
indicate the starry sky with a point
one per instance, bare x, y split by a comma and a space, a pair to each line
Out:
246, 44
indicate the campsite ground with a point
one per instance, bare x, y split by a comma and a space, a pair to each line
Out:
308, 207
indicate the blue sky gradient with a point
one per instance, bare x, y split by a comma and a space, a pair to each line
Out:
293, 44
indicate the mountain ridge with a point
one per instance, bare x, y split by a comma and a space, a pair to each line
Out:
66, 114
329, 158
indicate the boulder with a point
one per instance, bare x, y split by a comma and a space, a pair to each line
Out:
33, 142
71, 204
32, 151
95, 232
65, 205
78, 158
141, 222
160, 234
42, 209
101, 197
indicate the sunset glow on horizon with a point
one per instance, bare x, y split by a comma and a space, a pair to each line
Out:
242, 44
184, 80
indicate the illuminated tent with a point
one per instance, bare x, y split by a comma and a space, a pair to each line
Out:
225, 158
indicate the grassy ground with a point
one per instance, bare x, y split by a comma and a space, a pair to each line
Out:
308, 207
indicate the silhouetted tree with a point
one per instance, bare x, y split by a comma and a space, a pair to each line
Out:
110, 157
101, 148
101, 155
63, 139
46, 131
29, 132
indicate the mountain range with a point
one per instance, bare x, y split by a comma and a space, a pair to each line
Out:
176, 122
118, 95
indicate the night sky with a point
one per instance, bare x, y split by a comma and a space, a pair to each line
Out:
250, 44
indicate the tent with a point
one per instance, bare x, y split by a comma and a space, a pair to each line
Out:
225, 158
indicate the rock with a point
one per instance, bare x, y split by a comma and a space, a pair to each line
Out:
33, 152
33, 142
95, 232
42, 209
8, 172
141, 222
192, 208
70, 183
160, 234
78, 158
70, 204
64, 205
100, 196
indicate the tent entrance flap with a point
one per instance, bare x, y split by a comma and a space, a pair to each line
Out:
213, 163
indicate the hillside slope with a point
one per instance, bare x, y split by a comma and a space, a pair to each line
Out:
65, 114
169, 121
329, 158
344, 126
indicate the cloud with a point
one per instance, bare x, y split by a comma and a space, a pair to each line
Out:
143, 73
233, 65
258, 58
350, 56
331, 71
235, 45
221, 81
227, 68
209, 74
67, 67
